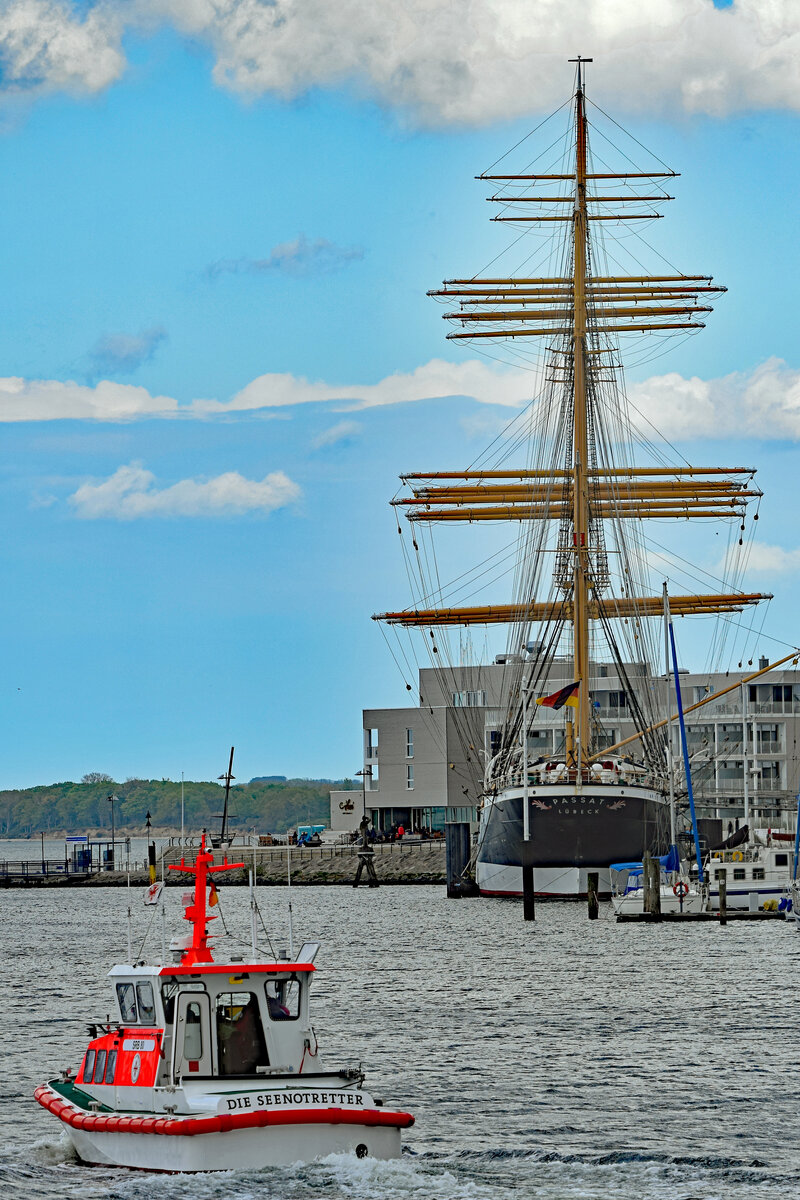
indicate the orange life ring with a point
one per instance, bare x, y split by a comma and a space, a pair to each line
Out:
681, 888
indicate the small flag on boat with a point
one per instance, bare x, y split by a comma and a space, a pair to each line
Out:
152, 893
567, 695
213, 895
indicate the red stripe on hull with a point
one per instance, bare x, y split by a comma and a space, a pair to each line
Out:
221, 1123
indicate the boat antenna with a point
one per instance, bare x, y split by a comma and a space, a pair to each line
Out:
130, 931
289, 878
228, 776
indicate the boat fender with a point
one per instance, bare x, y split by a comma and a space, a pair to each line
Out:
681, 888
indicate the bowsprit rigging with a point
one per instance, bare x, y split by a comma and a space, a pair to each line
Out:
580, 503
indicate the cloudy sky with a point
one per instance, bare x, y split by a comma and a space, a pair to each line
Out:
220, 219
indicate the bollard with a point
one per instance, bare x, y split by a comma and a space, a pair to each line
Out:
592, 885
457, 851
722, 875
647, 885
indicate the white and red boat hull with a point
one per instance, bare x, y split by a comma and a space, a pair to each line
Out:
226, 1141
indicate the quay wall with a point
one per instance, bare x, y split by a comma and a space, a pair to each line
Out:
395, 862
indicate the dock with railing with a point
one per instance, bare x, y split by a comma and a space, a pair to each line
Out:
406, 861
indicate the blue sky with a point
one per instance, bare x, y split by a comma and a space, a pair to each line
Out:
215, 340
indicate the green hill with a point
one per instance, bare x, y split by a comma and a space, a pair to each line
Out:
267, 807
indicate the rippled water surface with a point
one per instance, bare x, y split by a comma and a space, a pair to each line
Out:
561, 1060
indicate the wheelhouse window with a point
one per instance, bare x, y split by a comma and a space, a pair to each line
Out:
126, 998
100, 1066
739, 873
111, 1066
283, 998
759, 873
240, 1037
169, 990
88, 1066
147, 1006
193, 1033
781, 860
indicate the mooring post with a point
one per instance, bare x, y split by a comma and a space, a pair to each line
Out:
647, 901
457, 856
655, 883
592, 886
528, 899
723, 895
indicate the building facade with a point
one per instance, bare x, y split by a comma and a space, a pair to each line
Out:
424, 765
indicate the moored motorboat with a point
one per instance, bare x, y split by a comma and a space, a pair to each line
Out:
214, 1065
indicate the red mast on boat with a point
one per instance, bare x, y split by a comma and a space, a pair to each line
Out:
197, 912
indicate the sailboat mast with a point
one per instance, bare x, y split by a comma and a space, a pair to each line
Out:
580, 498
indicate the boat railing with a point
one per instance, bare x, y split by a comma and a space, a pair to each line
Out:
588, 777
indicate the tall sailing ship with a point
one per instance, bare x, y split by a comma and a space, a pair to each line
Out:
590, 484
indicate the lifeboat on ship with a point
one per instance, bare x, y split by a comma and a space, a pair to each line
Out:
214, 1065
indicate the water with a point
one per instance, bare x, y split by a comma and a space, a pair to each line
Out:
564, 1060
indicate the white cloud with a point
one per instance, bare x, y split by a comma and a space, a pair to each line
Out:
345, 431
53, 400
471, 62
301, 257
763, 403
45, 45
131, 492
478, 61
434, 380
761, 559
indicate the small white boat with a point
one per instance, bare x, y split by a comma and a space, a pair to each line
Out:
214, 1065
760, 867
678, 894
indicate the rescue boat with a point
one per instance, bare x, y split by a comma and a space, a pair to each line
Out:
214, 1065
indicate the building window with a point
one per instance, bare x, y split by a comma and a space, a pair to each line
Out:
752, 693
495, 741
373, 780
410, 778
469, 699
768, 738
617, 700
370, 743
781, 692
409, 743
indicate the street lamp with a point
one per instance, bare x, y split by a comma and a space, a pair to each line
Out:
365, 774
111, 799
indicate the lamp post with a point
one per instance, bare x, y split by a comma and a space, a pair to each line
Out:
111, 799
365, 774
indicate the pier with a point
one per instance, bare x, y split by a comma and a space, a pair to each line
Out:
398, 862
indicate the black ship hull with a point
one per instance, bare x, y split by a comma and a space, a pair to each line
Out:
571, 832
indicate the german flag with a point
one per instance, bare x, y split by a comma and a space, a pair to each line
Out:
567, 695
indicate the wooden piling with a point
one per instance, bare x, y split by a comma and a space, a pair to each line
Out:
592, 886
651, 880
457, 855
723, 895
528, 900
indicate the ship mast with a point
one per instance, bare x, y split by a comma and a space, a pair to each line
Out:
577, 317
580, 497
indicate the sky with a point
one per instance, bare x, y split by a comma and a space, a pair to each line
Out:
219, 222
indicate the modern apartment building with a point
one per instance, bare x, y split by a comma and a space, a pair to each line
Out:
425, 764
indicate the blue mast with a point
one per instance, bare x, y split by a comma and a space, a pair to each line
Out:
685, 750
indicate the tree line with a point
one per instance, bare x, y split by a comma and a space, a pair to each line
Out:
267, 807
